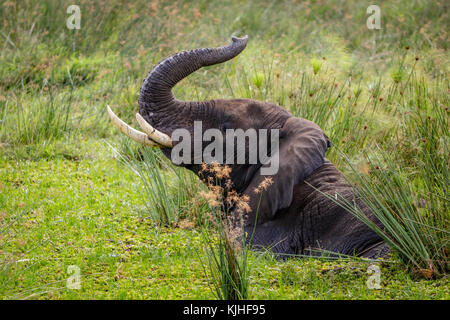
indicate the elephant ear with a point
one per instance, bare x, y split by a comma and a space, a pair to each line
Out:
301, 150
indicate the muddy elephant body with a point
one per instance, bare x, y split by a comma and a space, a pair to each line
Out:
313, 224
292, 216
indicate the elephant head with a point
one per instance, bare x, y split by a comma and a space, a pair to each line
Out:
300, 147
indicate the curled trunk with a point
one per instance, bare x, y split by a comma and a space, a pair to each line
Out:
156, 91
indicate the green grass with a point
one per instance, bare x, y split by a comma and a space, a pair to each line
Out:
172, 193
67, 198
90, 214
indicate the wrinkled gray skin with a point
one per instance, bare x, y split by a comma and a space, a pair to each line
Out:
293, 218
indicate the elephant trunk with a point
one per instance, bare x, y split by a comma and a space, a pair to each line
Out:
158, 109
156, 92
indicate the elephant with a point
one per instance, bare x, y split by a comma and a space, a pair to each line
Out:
292, 216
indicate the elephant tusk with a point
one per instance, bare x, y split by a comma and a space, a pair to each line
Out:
131, 132
154, 134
